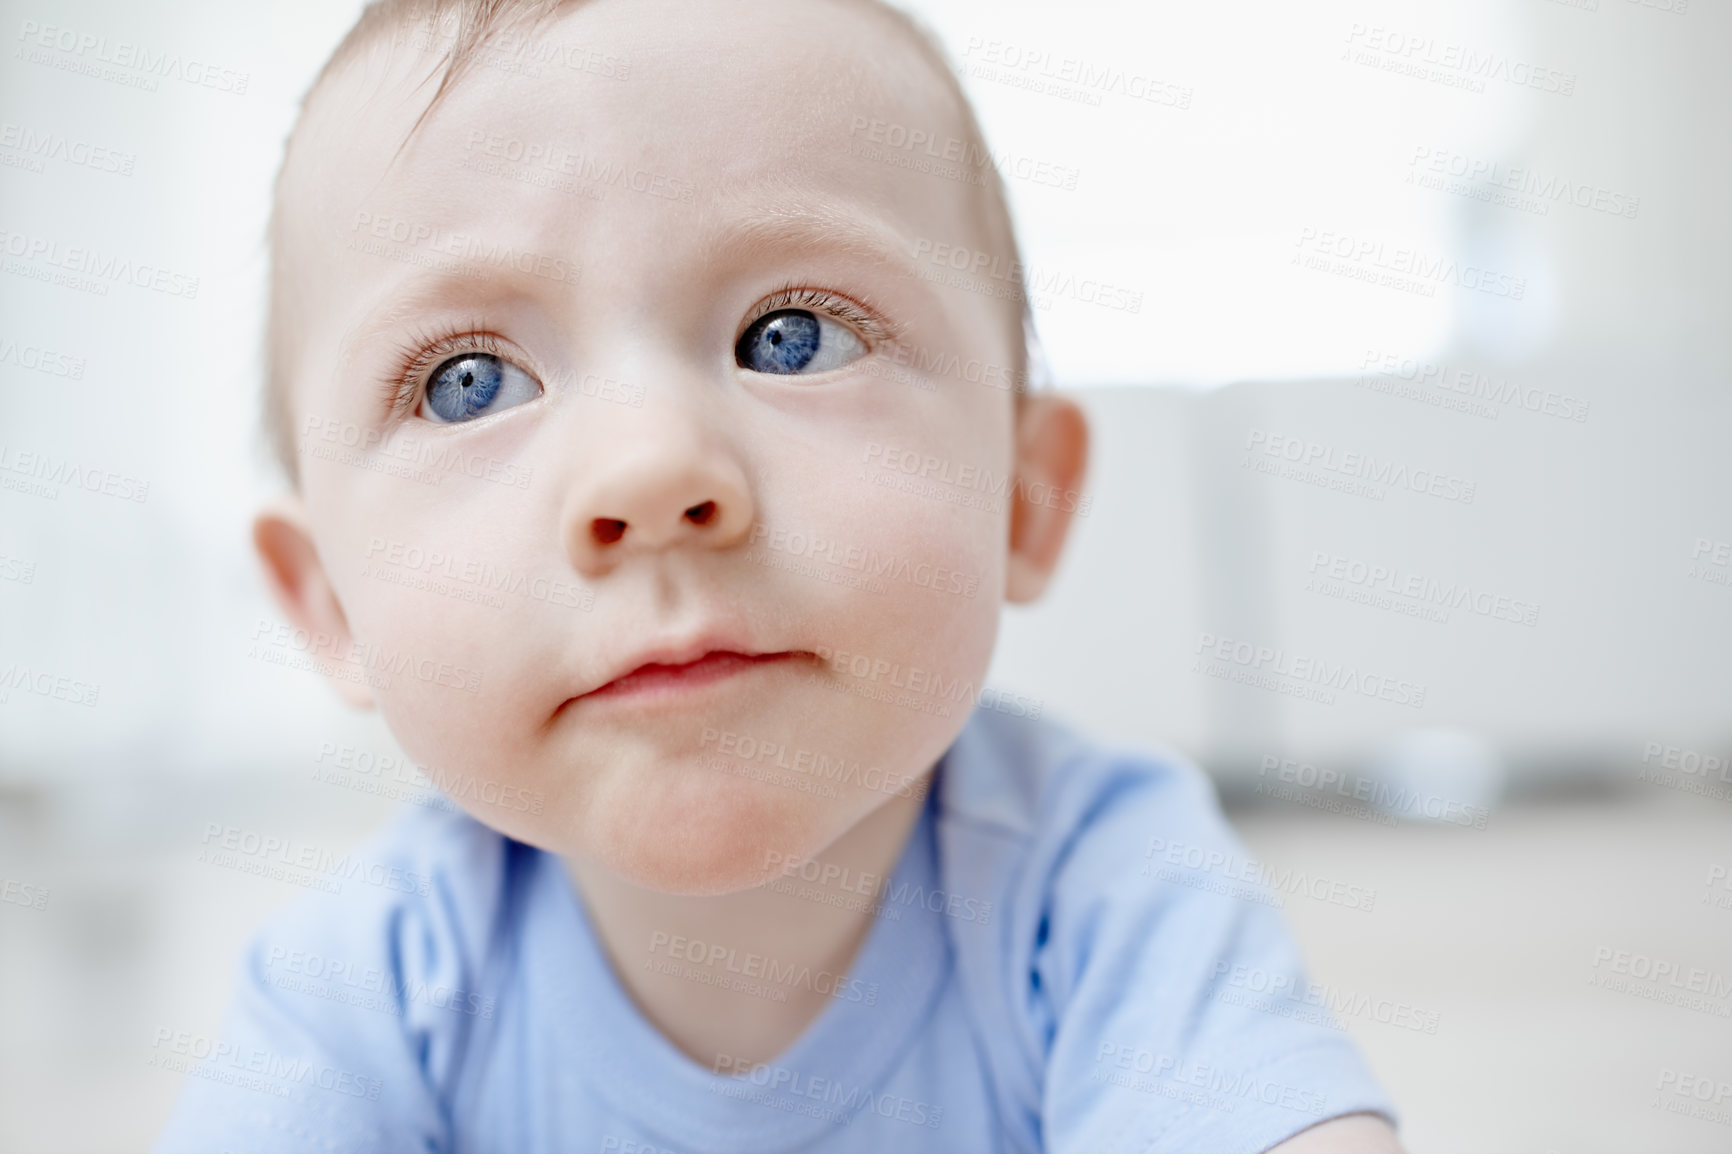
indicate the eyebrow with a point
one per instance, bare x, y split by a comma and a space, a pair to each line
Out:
839, 227
468, 286
834, 226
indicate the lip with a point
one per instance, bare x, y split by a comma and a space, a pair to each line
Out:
676, 670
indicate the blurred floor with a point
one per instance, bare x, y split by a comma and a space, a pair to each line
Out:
1496, 933
1490, 936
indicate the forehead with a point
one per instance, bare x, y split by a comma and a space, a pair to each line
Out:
621, 128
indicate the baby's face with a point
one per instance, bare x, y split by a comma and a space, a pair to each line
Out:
553, 304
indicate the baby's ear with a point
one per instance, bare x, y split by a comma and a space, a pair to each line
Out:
1052, 451
303, 590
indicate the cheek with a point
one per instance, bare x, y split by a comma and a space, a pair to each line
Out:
462, 617
935, 602
450, 594
912, 543
898, 590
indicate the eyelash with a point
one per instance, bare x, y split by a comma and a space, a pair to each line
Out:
422, 351
867, 320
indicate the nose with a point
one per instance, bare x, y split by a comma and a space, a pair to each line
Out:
665, 483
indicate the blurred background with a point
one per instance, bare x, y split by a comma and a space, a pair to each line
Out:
1411, 515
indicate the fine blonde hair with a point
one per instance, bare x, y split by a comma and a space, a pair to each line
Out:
469, 28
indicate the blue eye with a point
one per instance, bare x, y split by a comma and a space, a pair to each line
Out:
474, 384
796, 341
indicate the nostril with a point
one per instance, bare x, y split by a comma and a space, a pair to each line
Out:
606, 531
702, 514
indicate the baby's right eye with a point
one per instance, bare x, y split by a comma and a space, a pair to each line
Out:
473, 385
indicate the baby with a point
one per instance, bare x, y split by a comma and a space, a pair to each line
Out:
639, 395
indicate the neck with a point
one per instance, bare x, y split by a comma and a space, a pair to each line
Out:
720, 997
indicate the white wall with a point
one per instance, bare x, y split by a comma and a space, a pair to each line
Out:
1198, 208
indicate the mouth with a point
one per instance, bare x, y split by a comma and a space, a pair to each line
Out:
668, 681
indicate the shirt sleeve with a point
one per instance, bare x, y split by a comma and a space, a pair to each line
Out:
352, 1011
1156, 928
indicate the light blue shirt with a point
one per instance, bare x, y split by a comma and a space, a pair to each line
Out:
1063, 960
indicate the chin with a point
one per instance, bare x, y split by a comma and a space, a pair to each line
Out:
709, 835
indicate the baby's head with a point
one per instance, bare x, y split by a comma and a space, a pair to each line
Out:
615, 333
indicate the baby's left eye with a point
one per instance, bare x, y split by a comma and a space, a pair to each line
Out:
791, 341
475, 384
